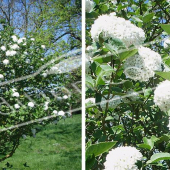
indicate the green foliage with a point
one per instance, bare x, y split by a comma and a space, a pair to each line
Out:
135, 120
56, 146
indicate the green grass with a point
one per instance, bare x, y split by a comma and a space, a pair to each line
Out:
56, 147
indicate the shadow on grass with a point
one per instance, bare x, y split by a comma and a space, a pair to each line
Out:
56, 147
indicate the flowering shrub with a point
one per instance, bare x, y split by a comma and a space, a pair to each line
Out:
26, 94
127, 85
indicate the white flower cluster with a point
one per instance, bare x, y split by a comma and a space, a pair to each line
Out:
141, 67
169, 124
114, 2
89, 6
60, 113
166, 43
162, 95
122, 158
116, 27
112, 103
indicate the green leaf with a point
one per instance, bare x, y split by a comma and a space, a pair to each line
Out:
109, 118
136, 19
104, 7
127, 54
114, 45
158, 157
148, 17
106, 68
101, 71
90, 160
144, 146
128, 84
102, 59
97, 1
165, 75
100, 148
166, 27
89, 81
149, 142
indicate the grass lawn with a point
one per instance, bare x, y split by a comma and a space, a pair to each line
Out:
56, 147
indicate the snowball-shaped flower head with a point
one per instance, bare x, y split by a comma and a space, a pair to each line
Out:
17, 106
3, 48
114, 2
166, 43
31, 104
1, 76
115, 27
10, 53
14, 38
15, 94
122, 158
43, 46
61, 113
162, 95
44, 74
32, 39
55, 112
14, 47
46, 105
89, 6
169, 124
65, 97
141, 67
113, 103
21, 40
90, 101
5, 62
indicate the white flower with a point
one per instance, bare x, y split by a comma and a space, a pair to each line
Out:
3, 48
141, 67
115, 27
31, 104
5, 62
32, 39
61, 113
15, 94
122, 158
46, 105
43, 46
13, 90
25, 53
166, 43
112, 103
27, 61
21, 40
114, 2
55, 112
89, 6
14, 47
1, 76
17, 106
169, 124
44, 74
14, 38
162, 96
10, 53
90, 100
65, 97
42, 59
